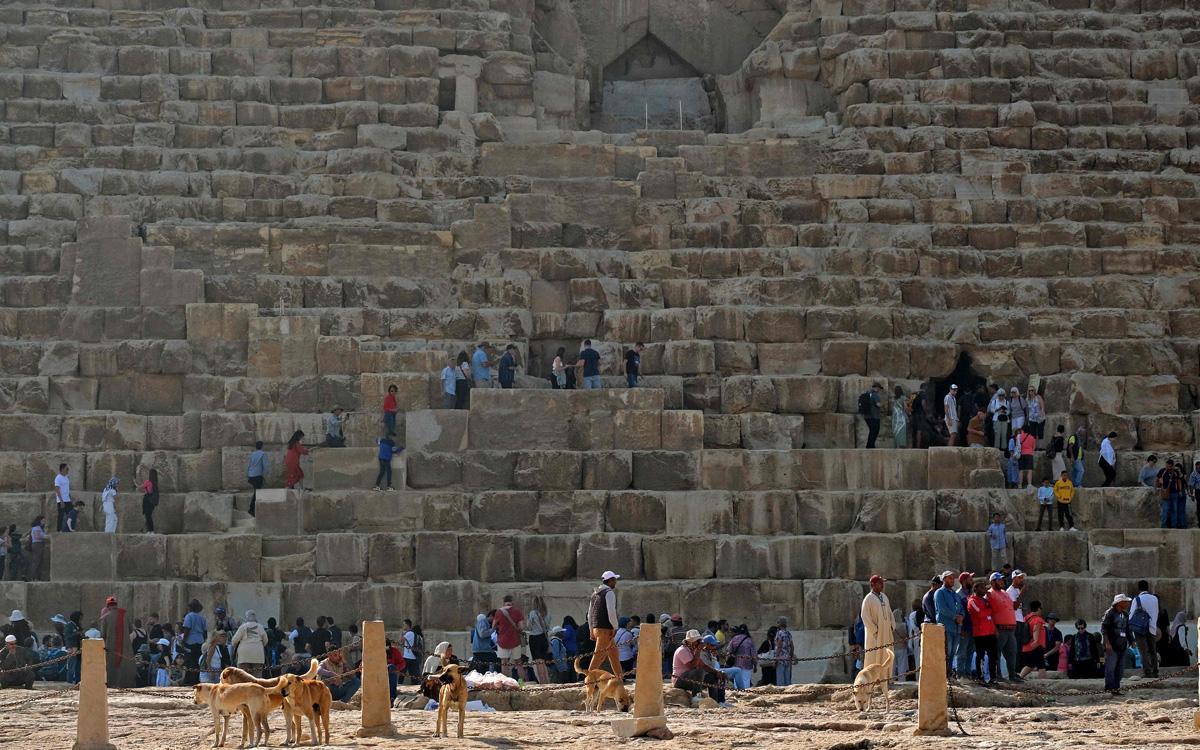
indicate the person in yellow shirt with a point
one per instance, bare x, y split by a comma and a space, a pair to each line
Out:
1064, 493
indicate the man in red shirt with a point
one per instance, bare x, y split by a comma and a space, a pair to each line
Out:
508, 622
1005, 618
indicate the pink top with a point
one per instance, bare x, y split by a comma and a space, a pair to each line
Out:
1028, 443
683, 661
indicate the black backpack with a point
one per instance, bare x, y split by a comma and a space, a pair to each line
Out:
865, 402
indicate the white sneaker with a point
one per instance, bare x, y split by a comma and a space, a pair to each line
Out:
391, 489
377, 489
1074, 529
1060, 528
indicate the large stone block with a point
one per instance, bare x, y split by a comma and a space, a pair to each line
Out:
578, 512
617, 552
504, 510
665, 470
607, 470
443, 431
83, 556
389, 602
548, 470
205, 557
689, 558
639, 512
486, 557
342, 556
859, 556
277, 512
546, 557
352, 468
444, 604
338, 600
391, 557
699, 513
207, 512
437, 556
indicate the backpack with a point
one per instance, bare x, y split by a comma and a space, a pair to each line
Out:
1024, 633
1139, 621
418, 647
865, 402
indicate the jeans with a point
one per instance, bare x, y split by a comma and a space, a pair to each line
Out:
951, 648
389, 420
965, 661
872, 431
393, 682
448, 400
783, 674
1114, 668
1110, 473
1146, 645
1077, 473
1179, 509
591, 382
1006, 646
738, 676
985, 647
1166, 516
256, 483
346, 690
1044, 510
385, 469
62, 508
631, 381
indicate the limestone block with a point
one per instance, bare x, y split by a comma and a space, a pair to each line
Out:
504, 510
179, 432
699, 513
40, 468
722, 430
439, 430
546, 557
1091, 394
277, 512
746, 393
761, 431
332, 511
390, 557
951, 467
437, 556
1166, 432
444, 511
1065, 553
1118, 562
282, 346
486, 557
600, 552
859, 556
102, 466
640, 512
83, 431
972, 510
807, 395
548, 470
667, 558
139, 556
824, 600
607, 470
219, 321
637, 430
107, 262
413, 391
829, 431
743, 557
351, 468
682, 430
793, 557
338, 600
887, 512
1151, 394
666, 470
207, 512
390, 602
550, 160
765, 513
207, 557
83, 556
30, 432
426, 470
444, 602
342, 556
571, 512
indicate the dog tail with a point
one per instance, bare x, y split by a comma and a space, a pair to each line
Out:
578, 660
312, 670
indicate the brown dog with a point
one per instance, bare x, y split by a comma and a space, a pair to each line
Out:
311, 699
235, 676
453, 691
601, 686
252, 701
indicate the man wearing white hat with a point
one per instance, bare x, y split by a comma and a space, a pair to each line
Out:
878, 630
602, 621
1115, 629
950, 417
16, 664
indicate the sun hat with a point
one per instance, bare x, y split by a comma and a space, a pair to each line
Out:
16, 616
692, 636
609, 574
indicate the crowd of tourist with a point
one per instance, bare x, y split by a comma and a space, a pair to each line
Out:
995, 630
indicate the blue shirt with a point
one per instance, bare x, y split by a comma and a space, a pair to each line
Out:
479, 365
1045, 495
591, 362
258, 464
997, 536
448, 377
948, 606
387, 448
507, 365
197, 628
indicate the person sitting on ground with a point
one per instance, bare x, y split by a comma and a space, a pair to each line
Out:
334, 438
342, 681
16, 665
690, 672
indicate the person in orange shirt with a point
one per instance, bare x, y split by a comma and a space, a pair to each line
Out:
1033, 654
1005, 618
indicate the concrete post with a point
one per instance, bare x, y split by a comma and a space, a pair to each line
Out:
91, 729
931, 685
648, 690
1196, 715
376, 700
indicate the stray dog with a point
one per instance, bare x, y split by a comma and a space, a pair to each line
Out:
600, 686
252, 701
235, 676
453, 690
873, 677
311, 699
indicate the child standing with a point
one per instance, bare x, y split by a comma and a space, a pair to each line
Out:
387, 449
998, 541
1064, 493
1045, 498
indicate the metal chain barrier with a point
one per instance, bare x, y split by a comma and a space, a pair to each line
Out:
1022, 688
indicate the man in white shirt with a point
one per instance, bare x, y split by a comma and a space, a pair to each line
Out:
1146, 643
62, 494
950, 406
878, 625
1014, 592
449, 386
1108, 459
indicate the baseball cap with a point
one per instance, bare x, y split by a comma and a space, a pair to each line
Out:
946, 573
710, 640
664, 618
965, 575
878, 579
163, 642
1052, 616
954, 387
111, 601
10, 639
1121, 598
997, 576
609, 574
1018, 573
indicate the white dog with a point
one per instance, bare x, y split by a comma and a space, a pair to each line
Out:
873, 677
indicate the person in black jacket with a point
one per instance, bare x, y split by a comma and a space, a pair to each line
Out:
1083, 653
150, 499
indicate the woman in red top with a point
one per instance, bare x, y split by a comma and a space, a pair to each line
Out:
1033, 654
291, 460
395, 667
1026, 444
983, 630
389, 409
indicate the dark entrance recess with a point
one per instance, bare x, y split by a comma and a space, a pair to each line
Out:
972, 393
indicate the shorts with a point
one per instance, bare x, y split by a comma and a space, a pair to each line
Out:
509, 654
1034, 658
1025, 463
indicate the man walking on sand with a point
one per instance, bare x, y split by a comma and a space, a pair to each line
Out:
602, 621
878, 625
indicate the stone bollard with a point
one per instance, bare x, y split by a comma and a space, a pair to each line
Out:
931, 684
1196, 715
91, 732
376, 701
648, 689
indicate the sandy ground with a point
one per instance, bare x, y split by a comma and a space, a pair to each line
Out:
802, 716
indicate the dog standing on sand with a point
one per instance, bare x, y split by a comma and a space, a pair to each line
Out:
235, 676
309, 699
874, 677
601, 686
450, 688
252, 701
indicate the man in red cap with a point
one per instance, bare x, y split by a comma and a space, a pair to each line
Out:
115, 628
878, 625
